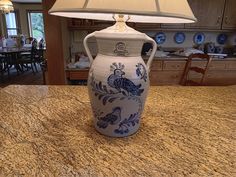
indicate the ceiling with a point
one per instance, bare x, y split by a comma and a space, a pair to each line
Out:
27, 1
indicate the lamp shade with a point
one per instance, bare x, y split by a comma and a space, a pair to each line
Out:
143, 11
6, 6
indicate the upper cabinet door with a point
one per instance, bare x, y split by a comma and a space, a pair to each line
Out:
229, 21
208, 12
146, 26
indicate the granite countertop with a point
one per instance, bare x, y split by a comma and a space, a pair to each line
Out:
185, 131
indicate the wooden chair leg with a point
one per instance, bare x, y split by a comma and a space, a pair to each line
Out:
32, 67
35, 67
1, 72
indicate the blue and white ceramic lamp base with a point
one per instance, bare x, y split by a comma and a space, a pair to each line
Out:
119, 97
118, 80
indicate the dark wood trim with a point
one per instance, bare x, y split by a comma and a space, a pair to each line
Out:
18, 22
54, 41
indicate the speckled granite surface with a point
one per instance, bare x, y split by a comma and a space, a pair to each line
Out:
185, 131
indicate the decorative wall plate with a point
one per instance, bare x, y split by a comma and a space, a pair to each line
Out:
160, 38
222, 38
199, 38
179, 37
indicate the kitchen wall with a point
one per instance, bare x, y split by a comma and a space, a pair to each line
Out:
23, 9
78, 36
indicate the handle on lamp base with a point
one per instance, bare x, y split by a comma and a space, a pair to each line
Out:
149, 63
87, 48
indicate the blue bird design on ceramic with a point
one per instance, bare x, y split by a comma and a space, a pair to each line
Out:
120, 83
111, 118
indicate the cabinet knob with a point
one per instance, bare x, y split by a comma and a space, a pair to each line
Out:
218, 20
226, 20
176, 76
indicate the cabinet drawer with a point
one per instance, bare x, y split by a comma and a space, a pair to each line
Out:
222, 74
214, 65
221, 78
165, 77
156, 66
78, 75
174, 65
231, 65
217, 65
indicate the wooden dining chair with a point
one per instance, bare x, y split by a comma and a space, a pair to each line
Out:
185, 80
29, 40
2, 67
5, 64
29, 59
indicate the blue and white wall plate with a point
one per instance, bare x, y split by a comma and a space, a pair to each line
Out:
179, 37
199, 38
222, 38
160, 38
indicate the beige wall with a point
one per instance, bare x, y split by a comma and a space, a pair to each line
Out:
23, 8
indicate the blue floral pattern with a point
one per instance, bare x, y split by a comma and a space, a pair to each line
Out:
103, 93
141, 71
126, 123
121, 88
112, 118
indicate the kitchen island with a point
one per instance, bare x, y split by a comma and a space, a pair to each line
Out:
185, 131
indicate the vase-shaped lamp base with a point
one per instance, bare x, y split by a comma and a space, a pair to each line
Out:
118, 80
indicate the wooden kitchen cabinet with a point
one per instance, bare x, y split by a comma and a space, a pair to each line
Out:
84, 24
172, 26
211, 15
146, 26
222, 78
156, 65
231, 65
169, 72
221, 72
165, 77
80, 74
229, 21
173, 65
208, 12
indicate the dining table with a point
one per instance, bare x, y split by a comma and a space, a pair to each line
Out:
12, 55
185, 131
10, 50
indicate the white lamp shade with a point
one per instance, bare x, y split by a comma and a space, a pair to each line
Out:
144, 11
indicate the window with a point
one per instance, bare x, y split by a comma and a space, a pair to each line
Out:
36, 25
11, 24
